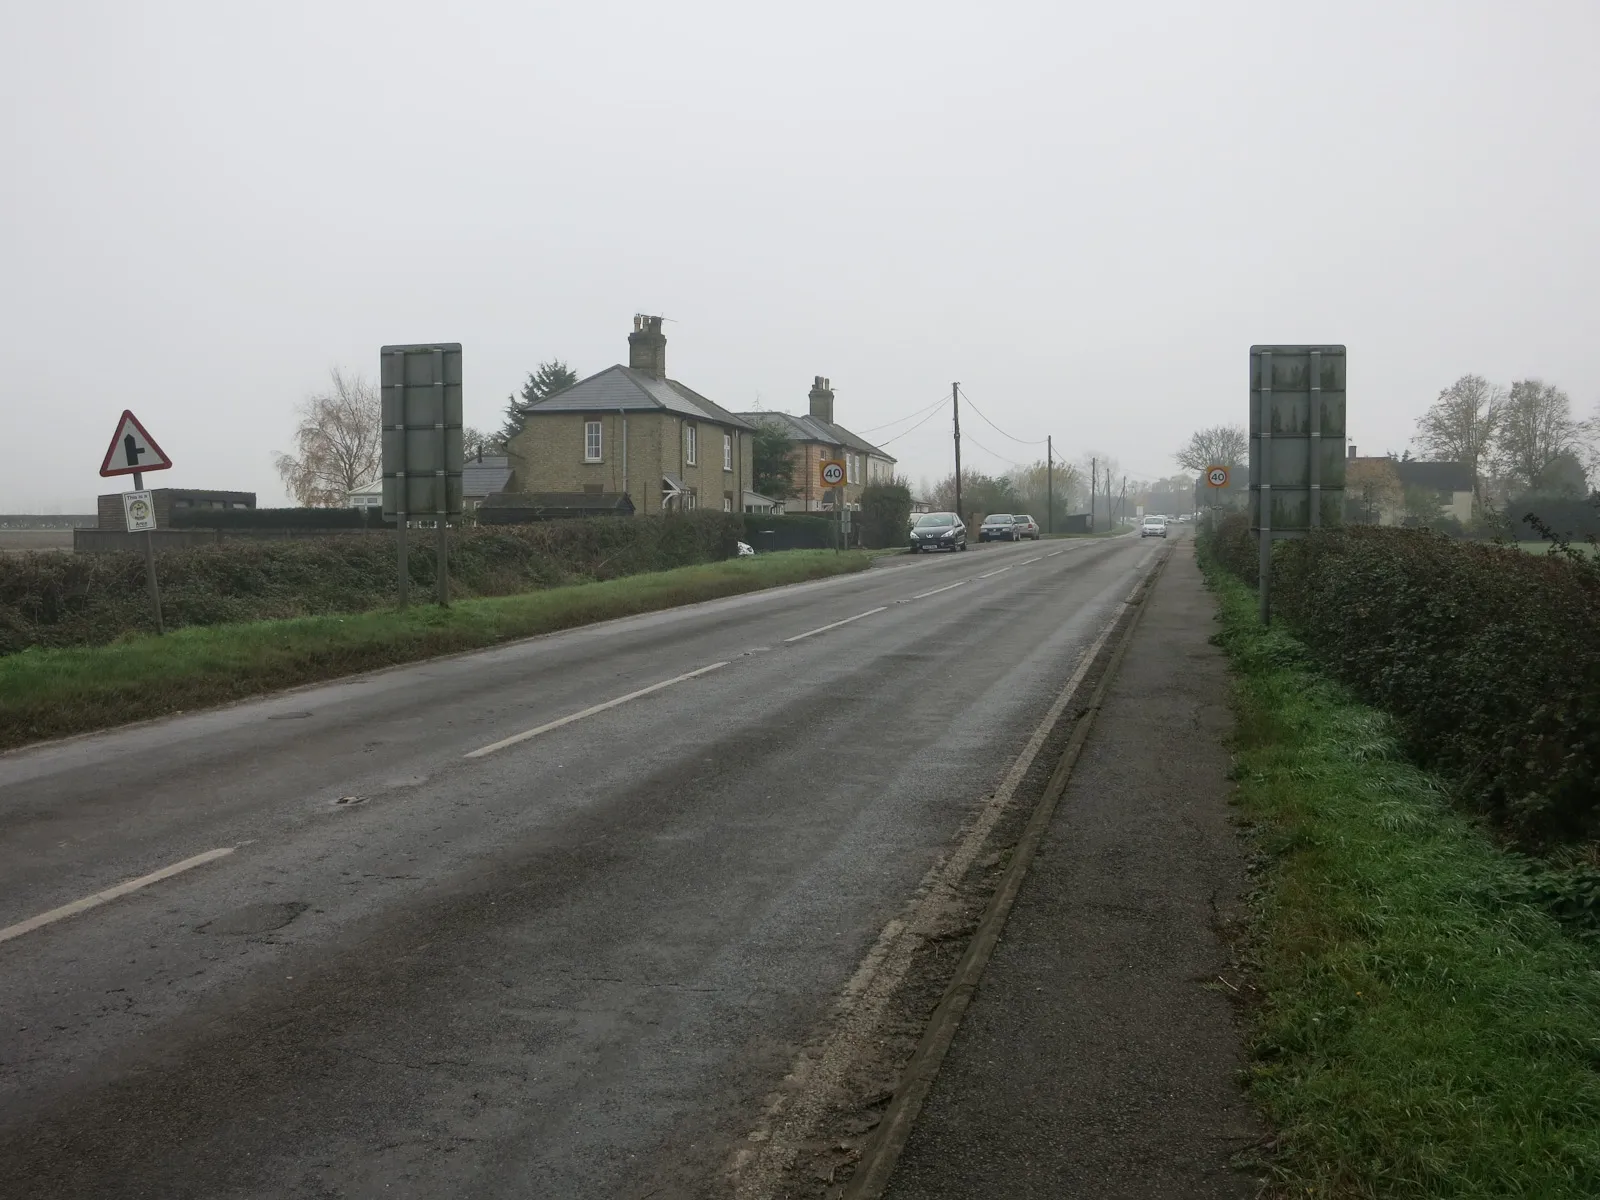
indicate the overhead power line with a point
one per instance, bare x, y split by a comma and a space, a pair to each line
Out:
931, 415
996, 428
936, 404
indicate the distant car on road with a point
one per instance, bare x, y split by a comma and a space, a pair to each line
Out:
938, 531
1153, 527
998, 527
1025, 526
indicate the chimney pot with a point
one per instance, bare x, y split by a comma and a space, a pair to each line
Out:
647, 347
821, 399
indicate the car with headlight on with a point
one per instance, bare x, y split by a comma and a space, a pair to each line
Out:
938, 531
1153, 527
998, 527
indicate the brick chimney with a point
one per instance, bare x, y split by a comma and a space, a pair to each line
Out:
822, 399
647, 346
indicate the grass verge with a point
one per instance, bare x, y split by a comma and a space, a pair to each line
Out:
1422, 1030
50, 693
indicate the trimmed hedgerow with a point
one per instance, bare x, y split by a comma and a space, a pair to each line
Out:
55, 599
1489, 658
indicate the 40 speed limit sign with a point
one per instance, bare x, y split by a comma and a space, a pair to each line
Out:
1217, 476
832, 473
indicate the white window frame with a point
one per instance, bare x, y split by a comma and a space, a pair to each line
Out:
727, 504
691, 499
691, 445
598, 441
727, 452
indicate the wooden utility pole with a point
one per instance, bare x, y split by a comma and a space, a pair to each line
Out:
1049, 484
1122, 499
1094, 482
955, 412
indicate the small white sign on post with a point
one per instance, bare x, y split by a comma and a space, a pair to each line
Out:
140, 510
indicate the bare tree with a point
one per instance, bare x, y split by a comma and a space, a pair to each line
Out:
340, 443
1537, 427
475, 443
1220, 445
1461, 426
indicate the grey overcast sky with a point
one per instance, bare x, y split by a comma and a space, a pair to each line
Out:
1084, 212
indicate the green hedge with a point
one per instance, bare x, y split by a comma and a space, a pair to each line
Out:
54, 599
1489, 658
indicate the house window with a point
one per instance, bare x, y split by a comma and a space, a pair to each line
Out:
591, 441
691, 499
727, 501
689, 445
727, 452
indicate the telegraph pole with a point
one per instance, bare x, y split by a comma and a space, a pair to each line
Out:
1049, 484
1094, 481
955, 412
1122, 499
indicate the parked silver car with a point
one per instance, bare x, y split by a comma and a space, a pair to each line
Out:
1025, 526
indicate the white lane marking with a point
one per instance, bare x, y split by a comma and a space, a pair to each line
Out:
111, 893
814, 1078
936, 591
1001, 571
824, 628
1026, 561
1053, 553
588, 712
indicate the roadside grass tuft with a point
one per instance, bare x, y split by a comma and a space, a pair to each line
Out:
1424, 1030
53, 692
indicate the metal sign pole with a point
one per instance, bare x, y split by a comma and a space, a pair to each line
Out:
400, 518
150, 564
1264, 494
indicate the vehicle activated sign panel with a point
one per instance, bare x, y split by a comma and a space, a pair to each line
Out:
422, 448
1296, 438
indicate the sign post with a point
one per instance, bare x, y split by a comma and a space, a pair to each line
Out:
133, 452
1216, 480
833, 479
1297, 426
422, 447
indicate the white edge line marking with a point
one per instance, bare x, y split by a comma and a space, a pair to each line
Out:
111, 893
1001, 571
788, 1122
588, 712
824, 628
936, 591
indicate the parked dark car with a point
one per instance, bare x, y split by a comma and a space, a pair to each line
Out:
938, 531
998, 527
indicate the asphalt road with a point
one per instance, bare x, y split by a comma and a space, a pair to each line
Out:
571, 966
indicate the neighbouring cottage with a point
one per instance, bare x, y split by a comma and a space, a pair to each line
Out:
1451, 483
818, 440
631, 431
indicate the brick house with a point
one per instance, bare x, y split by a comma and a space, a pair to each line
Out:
817, 440
632, 431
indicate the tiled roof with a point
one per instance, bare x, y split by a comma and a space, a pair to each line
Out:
808, 429
1441, 476
620, 387
485, 476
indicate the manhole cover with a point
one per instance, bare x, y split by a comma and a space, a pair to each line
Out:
255, 918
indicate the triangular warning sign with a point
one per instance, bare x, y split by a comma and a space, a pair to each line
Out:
132, 449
